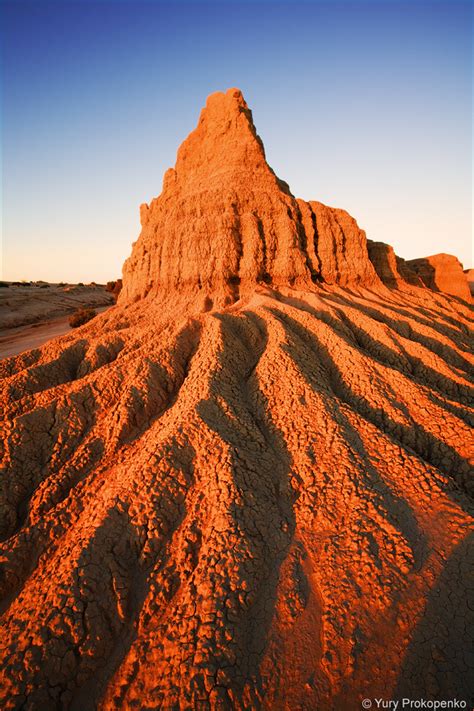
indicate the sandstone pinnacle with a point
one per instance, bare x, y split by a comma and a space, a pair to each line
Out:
224, 222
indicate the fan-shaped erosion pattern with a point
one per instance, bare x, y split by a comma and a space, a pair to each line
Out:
247, 485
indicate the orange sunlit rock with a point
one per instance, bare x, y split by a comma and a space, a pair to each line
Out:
246, 485
442, 272
470, 279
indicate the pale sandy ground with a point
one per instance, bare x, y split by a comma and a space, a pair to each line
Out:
23, 338
23, 305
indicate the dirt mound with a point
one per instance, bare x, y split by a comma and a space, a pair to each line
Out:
246, 485
442, 272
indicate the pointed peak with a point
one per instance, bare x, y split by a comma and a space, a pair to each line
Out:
225, 140
230, 98
227, 110
221, 102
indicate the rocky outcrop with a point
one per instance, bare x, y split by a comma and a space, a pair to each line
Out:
261, 504
470, 279
442, 272
386, 263
339, 245
224, 222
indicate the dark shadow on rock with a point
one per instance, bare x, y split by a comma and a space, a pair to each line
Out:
411, 367
461, 302
436, 317
15, 364
439, 663
455, 409
108, 586
112, 556
424, 269
81, 628
42, 445
408, 365
379, 256
30, 541
61, 370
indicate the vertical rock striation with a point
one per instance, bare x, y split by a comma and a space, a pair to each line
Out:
224, 222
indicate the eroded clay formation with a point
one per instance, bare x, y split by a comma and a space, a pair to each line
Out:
246, 485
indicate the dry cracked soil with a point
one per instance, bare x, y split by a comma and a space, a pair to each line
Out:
246, 485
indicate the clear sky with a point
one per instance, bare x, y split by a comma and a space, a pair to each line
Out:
361, 105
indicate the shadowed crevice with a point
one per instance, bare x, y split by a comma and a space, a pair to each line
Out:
122, 599
456, 331
439, 660
64, 369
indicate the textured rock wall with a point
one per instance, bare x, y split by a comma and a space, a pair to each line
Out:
225, 222
385, 263
393, 271
442, 272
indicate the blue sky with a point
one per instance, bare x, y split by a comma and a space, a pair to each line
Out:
361, 105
